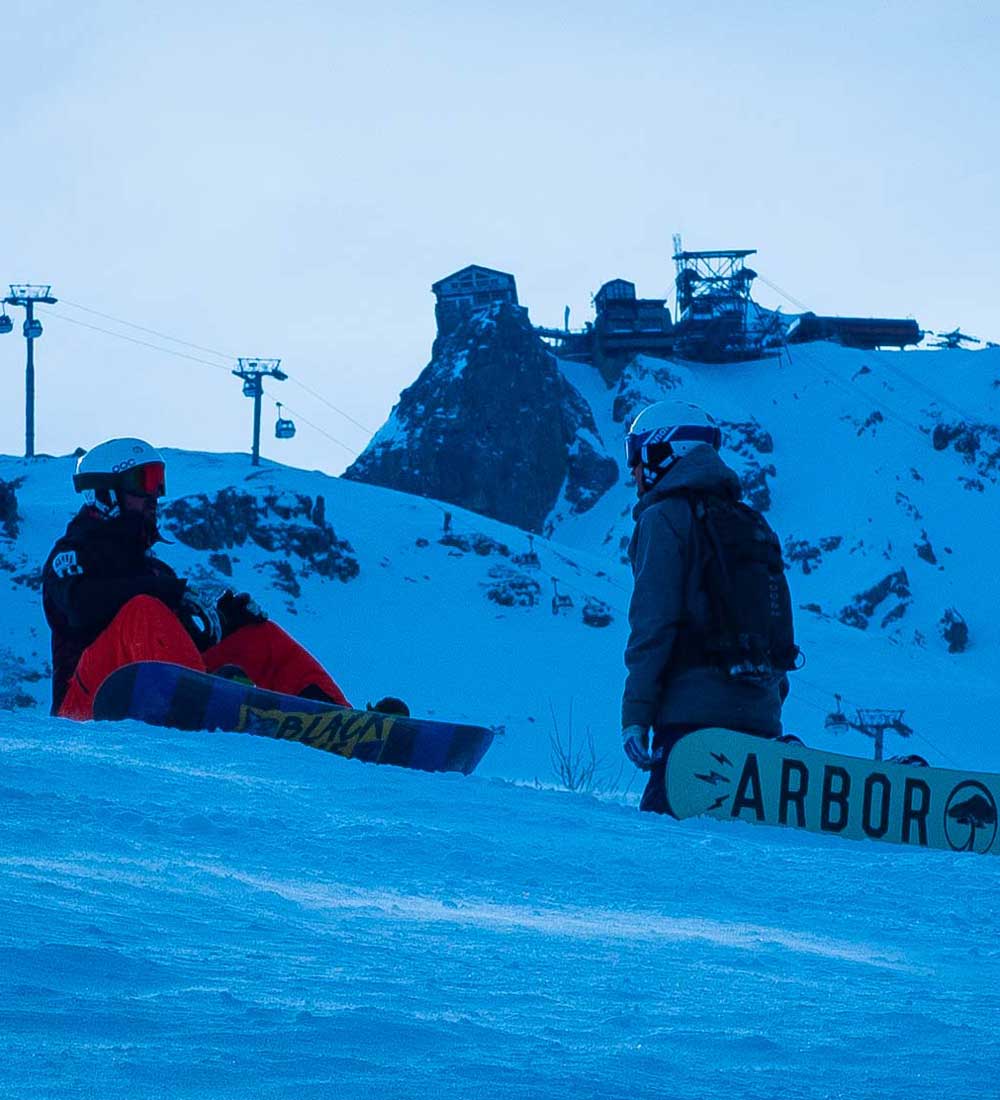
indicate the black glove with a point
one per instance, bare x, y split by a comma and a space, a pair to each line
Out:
390, 705
238, 609
199, 618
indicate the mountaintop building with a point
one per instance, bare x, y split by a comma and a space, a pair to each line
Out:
469, 290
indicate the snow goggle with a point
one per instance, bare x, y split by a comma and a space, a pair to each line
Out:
148, 480
639, 444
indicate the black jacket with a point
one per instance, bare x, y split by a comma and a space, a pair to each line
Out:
91, 573
668, 597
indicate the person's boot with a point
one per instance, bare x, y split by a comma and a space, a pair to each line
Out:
390, 705
312, 691
234, 673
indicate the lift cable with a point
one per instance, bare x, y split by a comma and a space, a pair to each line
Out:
187, 343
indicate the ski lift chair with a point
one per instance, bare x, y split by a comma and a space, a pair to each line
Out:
561, 601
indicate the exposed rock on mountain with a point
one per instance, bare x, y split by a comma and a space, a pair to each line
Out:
748, 440
492, 425
15, 673
512, 588
955, 630
641, 383
862, 610
646, 380
978, 444
9, 524
292, 524
807, 555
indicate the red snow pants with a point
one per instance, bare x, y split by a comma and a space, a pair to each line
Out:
147, 630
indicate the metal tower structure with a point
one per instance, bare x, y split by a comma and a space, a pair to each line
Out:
253, 372
26, 295
713, 295
954, 339
873, 722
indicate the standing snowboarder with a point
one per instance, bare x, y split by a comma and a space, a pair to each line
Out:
110, 601
710, 615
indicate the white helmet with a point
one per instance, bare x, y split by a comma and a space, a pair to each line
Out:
119, 465
664, 433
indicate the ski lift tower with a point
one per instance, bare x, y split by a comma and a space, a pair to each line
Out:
873, 722
713, 293
26, 295
253, 372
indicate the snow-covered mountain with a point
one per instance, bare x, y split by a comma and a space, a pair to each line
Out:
396, 594
187, 915
879, 471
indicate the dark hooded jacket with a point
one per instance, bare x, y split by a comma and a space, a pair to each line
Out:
91, 573
666, 684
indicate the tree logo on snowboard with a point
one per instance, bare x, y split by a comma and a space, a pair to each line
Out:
970, 818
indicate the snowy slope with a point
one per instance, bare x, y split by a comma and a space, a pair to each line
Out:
188, 916
841, 441
417, 621
844, 442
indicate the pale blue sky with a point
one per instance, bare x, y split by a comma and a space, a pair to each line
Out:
288, 180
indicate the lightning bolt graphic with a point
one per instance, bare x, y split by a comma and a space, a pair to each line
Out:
721, 758
713, 777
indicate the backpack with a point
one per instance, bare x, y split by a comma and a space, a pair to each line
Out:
750, 634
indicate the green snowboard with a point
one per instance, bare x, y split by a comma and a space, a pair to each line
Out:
733, 775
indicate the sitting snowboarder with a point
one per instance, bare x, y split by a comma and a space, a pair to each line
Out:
110, 601
711, 623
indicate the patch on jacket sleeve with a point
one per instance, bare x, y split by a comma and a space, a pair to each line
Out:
66, 565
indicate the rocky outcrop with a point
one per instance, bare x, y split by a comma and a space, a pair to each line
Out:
646, 381
492, 425
289, 524
862, 609
749, 440
954, 630
15, 673
9, 518
512, 587
977, 443
809, 556
643, 381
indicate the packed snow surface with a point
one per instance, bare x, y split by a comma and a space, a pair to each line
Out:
190, 915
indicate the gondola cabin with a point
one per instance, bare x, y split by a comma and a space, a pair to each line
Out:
283, 427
